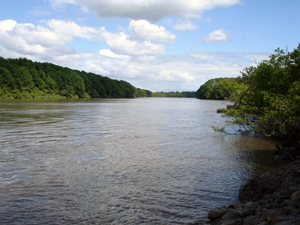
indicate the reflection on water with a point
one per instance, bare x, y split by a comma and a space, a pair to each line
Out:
128, 161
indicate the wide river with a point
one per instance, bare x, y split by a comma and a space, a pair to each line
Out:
121, 161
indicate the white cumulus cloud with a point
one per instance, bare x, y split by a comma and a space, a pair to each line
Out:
143, 38
28, 39
122, 44
70, 29
151, 10
218, 36
143, 30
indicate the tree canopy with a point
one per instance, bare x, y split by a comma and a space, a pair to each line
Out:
270, 103
221, 89
22, 78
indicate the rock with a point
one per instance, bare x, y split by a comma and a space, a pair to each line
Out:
271, 218
272, 198
217, 213
268, 205
294, 188
283, 223
267, 196
250, 206
237, 221
251, 220
291, 210
282, 194
295, 196
232, 213
271, 182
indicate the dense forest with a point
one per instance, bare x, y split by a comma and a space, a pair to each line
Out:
221, 89
177, 94
23, 79
269, 102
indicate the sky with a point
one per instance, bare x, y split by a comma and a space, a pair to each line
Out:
158, 45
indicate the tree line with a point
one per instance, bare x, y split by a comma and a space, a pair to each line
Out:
174, 94
22, 78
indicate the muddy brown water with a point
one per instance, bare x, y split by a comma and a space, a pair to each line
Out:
121, 161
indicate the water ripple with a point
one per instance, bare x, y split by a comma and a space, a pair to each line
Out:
131, 161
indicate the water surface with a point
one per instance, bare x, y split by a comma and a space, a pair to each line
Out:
125, 161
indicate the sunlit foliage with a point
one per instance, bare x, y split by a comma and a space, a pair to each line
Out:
221, 89
23, 79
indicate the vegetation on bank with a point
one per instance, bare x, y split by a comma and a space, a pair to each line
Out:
23, 79
143, 93
269, 102
221, 89
177, 94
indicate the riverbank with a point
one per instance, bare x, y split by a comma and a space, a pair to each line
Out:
270, 198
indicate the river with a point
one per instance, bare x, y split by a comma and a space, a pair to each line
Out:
121, 161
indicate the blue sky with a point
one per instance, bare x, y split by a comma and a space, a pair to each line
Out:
159, 45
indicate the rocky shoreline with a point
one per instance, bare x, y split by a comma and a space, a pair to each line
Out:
270, 198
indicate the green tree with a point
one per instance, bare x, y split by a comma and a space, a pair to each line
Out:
272, 96
230, 88
220, 89
6, 79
